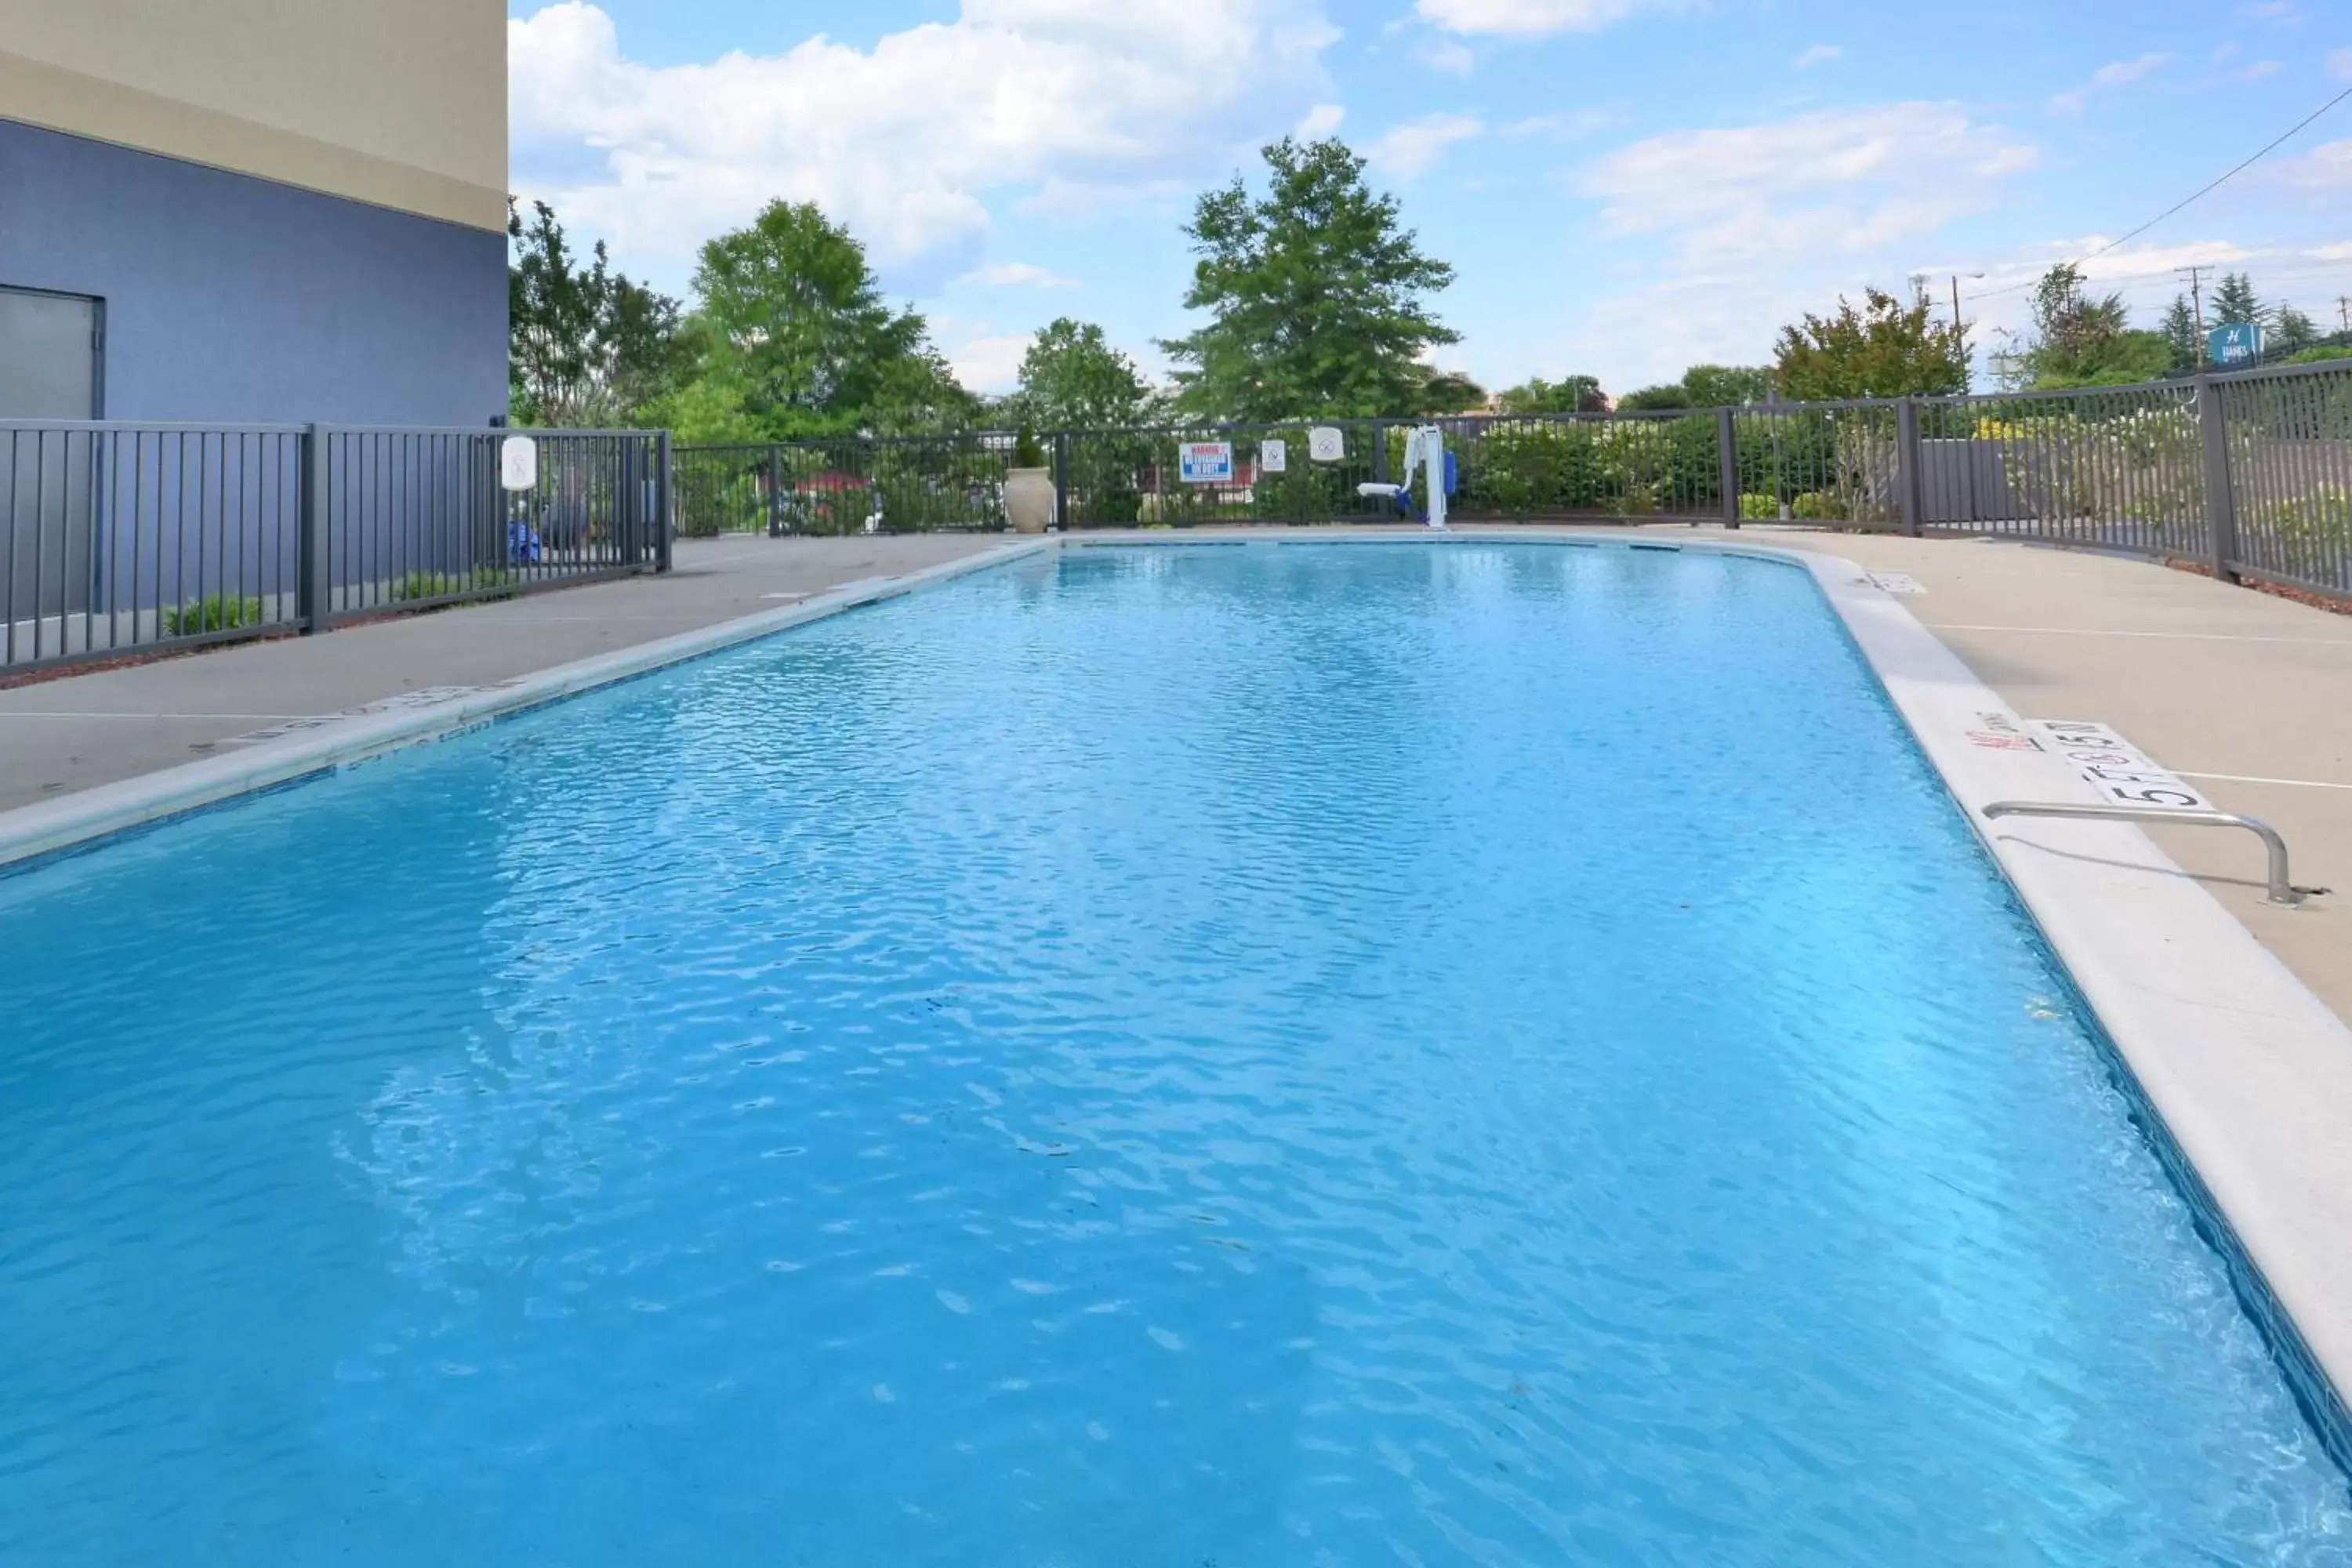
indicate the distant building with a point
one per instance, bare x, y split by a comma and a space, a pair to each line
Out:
253, 210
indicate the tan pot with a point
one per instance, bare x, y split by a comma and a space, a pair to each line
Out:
1029, 499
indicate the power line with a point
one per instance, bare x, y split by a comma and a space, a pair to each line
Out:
2204, 190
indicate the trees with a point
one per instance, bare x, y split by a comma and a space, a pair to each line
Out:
2081, 340
2235, 302
1706, 387
2185, 347
797, 339
1072, 379
1315, 295
1886, 349
585, 346
1569, 394
2292, 330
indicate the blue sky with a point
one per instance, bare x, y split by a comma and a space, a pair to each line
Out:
1624, 186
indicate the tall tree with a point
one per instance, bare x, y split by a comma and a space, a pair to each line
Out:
799, 334
1886, 349
2292, 330
2179, 332
2080, 341
1315, 292
2236, 302
1072, 379
585, 345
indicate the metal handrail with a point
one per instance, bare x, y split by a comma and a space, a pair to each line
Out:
2283, 890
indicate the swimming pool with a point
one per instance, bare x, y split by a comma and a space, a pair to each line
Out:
1319, 1054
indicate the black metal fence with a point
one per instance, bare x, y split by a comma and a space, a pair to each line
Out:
2248, 474
119, 537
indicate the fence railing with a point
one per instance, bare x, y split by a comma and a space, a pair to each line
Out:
120, 537
2247, 474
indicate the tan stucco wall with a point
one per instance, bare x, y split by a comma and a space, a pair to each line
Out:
398, 102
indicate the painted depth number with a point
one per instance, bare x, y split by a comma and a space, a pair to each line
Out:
2121, 771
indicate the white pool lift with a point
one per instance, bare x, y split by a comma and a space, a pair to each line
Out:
1426, 453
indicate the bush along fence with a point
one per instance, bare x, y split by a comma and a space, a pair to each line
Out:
120, 537
2246, 474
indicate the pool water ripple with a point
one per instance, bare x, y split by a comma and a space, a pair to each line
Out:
1326, 1055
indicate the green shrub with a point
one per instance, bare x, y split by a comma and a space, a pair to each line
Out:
1760, 508
213, 613
2320, 517
441, 584
2319, 353
1816, 506
1026, 451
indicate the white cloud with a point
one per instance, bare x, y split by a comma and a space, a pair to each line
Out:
1566, 125
904, 142
2116, 73
1322, 121
1451, 57
1527, 18
1818, 54
1839, 181
2326, 167
1019, 274
989, 363
1409, 149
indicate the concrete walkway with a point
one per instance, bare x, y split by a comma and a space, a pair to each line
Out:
2248, 694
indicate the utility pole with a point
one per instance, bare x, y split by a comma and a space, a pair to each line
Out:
2344, 310
2197, 298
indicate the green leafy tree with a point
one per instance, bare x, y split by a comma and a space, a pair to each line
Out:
2082, 340
2291, 331
585, 345
1447, 392
2235, 302
1569, 394
1726, 385
1072, 379
2179, 332
1665, 395
798, 335
1316, 294
1885, 349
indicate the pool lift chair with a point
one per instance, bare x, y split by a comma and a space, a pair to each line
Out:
1424, 450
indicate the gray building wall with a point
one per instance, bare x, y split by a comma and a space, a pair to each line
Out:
230, 297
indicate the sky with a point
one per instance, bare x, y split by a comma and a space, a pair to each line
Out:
1624, 187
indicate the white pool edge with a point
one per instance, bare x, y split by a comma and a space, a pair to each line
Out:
2248, 1071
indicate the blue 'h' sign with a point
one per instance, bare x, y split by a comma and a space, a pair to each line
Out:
2232, 341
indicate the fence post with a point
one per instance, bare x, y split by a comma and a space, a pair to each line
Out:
311, 598
661, 501
1062, 480
1906, 464
2221, 505
1381, 462
1727, 441
775, 491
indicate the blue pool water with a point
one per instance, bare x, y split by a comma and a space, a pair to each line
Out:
1324, 1054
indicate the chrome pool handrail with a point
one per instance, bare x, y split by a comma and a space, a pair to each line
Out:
2283, 890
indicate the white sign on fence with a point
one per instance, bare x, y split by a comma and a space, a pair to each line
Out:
517, 463
1273, 457
1326, 444
2122, 773
1205, 462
